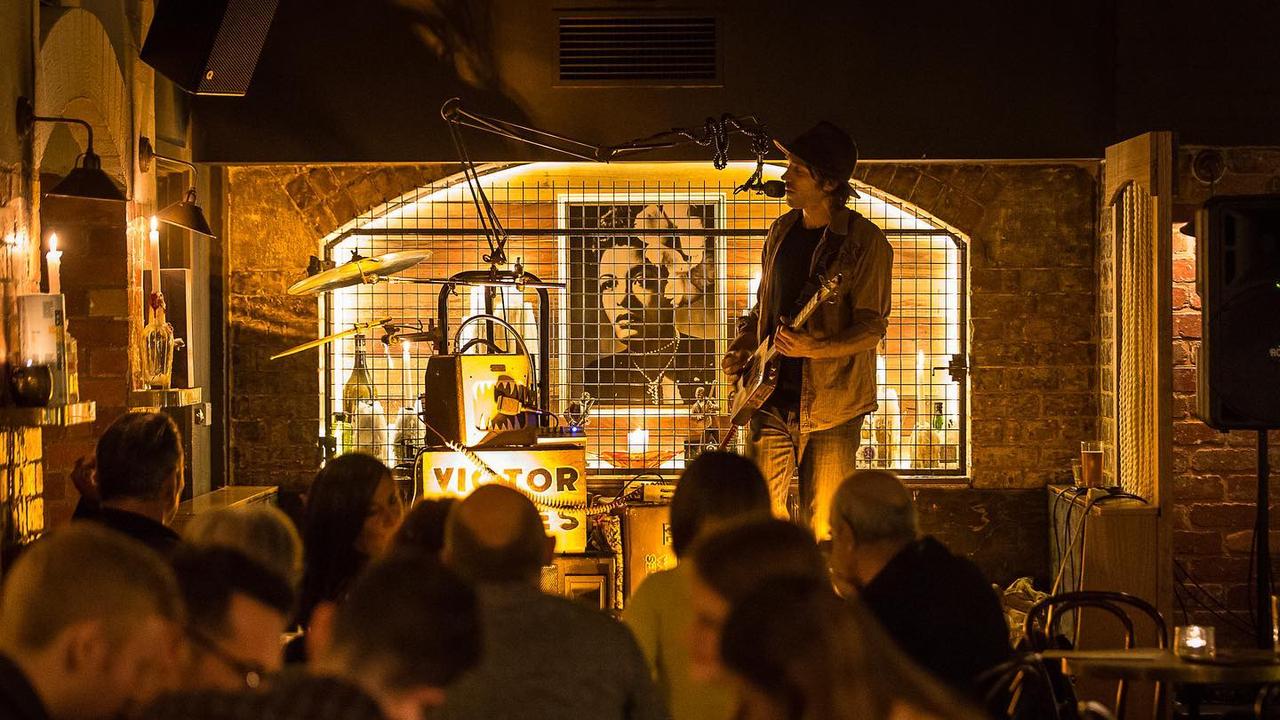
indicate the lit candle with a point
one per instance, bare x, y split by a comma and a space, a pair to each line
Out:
153, 254
54, 259
638, 441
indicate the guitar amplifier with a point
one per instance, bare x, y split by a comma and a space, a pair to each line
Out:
480, 400
646, 542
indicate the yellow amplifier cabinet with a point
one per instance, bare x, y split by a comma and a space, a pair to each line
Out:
479, 400
646, 539
555, 476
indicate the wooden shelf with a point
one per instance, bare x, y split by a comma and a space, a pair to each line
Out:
52, 416
171, 398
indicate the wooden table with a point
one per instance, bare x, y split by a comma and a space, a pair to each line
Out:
1162, 665
1240, 668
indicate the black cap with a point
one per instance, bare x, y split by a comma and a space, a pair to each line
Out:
825, 148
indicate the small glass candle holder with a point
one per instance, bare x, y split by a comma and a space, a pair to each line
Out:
1193, 641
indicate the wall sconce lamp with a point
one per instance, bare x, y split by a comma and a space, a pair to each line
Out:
185, 213
86, 180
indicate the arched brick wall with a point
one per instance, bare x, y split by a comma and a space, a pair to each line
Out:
78, 75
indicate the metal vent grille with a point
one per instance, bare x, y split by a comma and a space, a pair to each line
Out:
630, 50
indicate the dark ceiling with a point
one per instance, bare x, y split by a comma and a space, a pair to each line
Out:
363, 80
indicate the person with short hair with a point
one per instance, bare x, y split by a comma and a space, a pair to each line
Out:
729, 564
137, 476
544, 656
423, 526
938, 607
236, 613
261, 531
407, 630
826, 385
716, 488
799, 653
90, 627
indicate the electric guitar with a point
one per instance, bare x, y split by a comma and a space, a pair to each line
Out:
760, 376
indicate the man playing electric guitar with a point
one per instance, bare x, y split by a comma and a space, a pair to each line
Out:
827, 381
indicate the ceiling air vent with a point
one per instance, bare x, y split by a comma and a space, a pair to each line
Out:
639, 50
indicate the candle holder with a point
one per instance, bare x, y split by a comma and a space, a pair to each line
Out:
1194, 642
158, 346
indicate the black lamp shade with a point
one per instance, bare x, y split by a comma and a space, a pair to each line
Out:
186, 214
89, 182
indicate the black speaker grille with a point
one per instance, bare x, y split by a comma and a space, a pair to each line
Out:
236, 48
639, 50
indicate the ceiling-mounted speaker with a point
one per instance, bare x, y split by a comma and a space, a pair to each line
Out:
208, 47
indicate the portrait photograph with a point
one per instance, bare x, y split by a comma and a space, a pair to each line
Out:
642, 324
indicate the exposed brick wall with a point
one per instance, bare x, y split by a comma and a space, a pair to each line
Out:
277, 216
1033, 348
1214, 474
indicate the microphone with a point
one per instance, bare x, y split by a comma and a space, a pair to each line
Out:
770, 188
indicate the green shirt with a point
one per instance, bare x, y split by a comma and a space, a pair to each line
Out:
660, 614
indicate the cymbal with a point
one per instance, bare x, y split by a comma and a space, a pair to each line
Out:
364, 270
353, 330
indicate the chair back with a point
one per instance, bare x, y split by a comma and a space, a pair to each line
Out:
1041, 629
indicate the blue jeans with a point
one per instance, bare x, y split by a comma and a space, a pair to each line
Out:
824, 458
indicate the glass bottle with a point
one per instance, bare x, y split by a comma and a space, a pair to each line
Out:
869, 450
362, 408
157, 347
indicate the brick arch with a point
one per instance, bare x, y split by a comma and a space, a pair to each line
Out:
78, 75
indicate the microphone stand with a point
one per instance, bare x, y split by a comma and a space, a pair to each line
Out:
714, 134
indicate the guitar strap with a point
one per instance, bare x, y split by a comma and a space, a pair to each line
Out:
847, 252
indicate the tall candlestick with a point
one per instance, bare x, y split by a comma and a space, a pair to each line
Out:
920, 381
54, 260
153, 254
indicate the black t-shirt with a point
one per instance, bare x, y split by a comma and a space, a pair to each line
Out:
791, 273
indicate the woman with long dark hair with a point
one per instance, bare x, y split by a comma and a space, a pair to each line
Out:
353, 510
799, 652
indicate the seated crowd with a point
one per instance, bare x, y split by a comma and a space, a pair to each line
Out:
370, 612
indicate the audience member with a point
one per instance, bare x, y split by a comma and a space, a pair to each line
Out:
260, 531
544, 656
407, 630
138, 478
90, 626
938, 607
801, 653
715, 488
423, 526
729, 564
353, 509
236, 612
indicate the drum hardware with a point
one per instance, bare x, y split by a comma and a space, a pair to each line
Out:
355, 329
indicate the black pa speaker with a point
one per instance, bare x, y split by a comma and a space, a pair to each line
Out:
208, 47
1238, 278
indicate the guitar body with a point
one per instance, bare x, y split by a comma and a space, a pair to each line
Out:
756, 383
760, 378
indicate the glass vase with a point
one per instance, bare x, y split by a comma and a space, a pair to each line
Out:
158, 345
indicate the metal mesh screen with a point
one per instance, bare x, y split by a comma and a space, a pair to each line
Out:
639, 245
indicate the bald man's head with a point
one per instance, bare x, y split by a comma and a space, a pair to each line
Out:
496, 535
876, 506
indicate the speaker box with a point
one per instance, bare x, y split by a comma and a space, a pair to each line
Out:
208, 47
1238, 278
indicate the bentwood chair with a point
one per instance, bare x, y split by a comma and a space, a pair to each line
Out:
1042, 628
